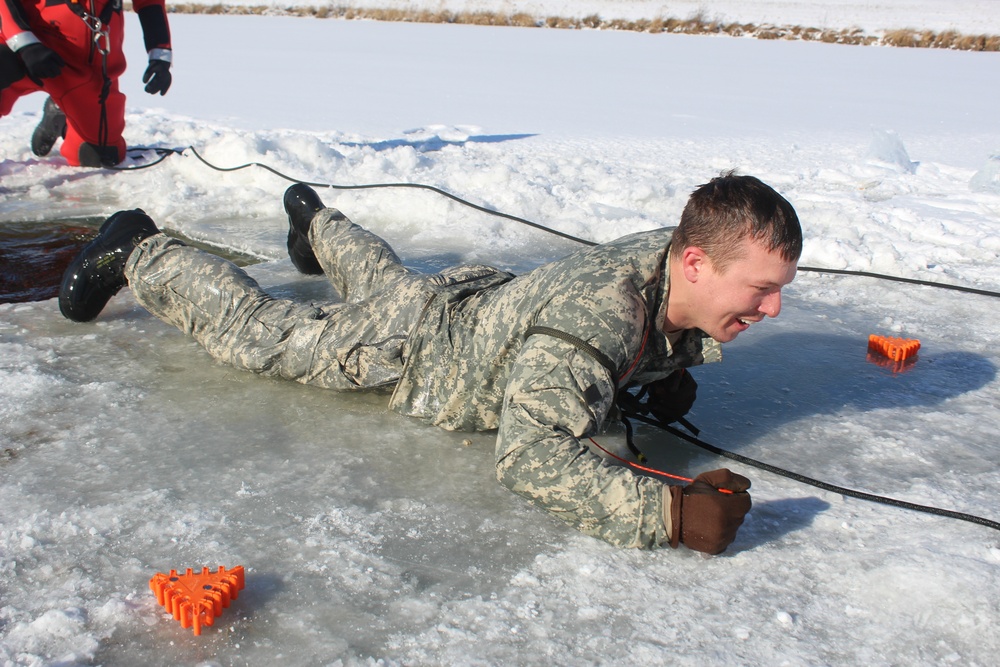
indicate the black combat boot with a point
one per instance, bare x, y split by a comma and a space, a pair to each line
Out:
98, 272
51, 127
301, 204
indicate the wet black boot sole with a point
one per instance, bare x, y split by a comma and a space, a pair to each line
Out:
51, 128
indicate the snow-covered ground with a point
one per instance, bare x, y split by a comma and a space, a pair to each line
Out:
372, 539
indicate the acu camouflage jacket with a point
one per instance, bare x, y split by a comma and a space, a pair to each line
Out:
470, 364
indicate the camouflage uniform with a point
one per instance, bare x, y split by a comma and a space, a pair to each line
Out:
458, 349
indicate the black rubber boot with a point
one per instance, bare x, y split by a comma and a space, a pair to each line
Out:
92, 155
51, 127
301, 204
98, 272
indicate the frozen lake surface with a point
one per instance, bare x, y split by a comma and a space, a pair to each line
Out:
371, 539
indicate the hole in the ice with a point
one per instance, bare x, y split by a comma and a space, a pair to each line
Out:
34, 255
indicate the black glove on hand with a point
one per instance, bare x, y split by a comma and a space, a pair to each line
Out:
40, 61
11, 67
157, 77
672, 397
704, 518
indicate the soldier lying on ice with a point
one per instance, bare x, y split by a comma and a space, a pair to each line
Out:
540, 357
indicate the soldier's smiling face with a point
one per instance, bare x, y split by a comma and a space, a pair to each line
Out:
724, 302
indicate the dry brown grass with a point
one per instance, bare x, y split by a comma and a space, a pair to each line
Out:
949, 39
696, 25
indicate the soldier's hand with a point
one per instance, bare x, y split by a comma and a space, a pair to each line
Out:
704, 517
157, 77
672, 397
40, 61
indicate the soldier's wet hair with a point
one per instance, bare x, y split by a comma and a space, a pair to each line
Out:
729, 209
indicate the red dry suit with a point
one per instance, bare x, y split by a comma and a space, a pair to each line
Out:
62, 25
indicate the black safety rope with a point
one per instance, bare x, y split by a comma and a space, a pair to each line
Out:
861, 495
100, 43
163, 153
899, 279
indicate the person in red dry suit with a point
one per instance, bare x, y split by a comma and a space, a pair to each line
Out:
72, 50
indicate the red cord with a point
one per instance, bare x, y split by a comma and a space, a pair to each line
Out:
642, 348
632, 464
652, 470
641, 467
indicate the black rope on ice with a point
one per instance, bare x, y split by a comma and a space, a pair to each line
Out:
166, 152
369, 186
861, 495
162, 154
898, 279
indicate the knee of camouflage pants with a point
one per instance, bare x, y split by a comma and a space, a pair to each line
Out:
342, 346
223, 308
357, 262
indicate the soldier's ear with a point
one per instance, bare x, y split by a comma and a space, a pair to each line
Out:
694, 262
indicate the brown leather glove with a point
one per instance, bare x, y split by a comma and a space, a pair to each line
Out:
672, 397
704, 518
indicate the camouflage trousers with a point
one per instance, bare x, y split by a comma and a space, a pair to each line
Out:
357, 344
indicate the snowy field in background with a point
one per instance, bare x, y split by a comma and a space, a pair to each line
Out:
974, 17
372, 539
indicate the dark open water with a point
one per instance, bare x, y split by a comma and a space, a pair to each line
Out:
33, 256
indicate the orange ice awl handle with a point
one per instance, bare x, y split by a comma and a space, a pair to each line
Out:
895, 349
196, 599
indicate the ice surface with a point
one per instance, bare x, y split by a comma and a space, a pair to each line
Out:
373, 539
987, 179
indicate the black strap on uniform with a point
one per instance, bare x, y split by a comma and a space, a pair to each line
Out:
113, 7
618, 399
599, 356
99, 26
